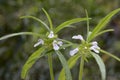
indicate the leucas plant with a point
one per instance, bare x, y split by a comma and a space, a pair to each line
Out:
88, 48
48, 44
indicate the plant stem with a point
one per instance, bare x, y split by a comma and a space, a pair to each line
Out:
81, 68
50, 66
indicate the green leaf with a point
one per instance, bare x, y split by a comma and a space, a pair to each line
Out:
65, 46
105, 52
65, 66
101, 25
87, 22
20, 33
104, 31
46, 26
31, 60
71, 62
100, 64
49, 19
69, 22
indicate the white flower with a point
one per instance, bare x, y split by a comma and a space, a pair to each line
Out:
40, 41
51, 35
57, 44
60, 43
95, 47
74, 51
94, 43
78, 37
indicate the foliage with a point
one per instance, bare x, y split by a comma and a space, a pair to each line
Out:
47, 42
15, 51
84, 49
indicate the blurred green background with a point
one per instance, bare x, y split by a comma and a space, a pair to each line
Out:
15, 51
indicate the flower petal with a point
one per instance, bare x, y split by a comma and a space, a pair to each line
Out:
74, 51
94, 43
95, 48
78, 37
40, 41
51, 35
55, 45
60, 43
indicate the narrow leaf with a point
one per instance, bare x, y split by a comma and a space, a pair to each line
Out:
65, 46
65, 66
104, 31
102, 24
69, 22
20, 33
46, 26
105, 52
49, 19
100, 64
31, 60
87, 22
71, 62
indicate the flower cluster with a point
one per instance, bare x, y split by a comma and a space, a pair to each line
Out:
56, 43
93, 46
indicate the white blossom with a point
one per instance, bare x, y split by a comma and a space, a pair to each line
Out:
57, 44
51, 35
94, 43
74, 51
95, 47
78, 37
40, 41
60, 43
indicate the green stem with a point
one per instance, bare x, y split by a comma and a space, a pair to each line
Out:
81, 68
50, 66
